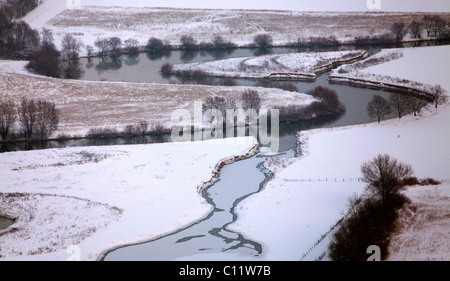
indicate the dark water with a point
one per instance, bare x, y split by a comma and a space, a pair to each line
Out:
5, 222
209, 239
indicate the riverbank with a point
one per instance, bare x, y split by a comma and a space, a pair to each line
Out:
134, 20
98, 198
305, 199
86, 105
291, 66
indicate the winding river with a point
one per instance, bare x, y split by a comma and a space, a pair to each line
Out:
209, 238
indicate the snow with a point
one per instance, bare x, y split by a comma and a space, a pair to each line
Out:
424, 226
85, 104
142, 19
306, 64
298, 208
100, 197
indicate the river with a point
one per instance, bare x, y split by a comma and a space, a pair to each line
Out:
209, 238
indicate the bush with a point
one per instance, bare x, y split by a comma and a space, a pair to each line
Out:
385, 39
251, 100
429, 181
167, 68
45, 61
102, 133
157, 45
131, 45
39, 119
220, 44
410, 181
188, 43
263, 40
318, 42
328, 103
8, 118
385, 176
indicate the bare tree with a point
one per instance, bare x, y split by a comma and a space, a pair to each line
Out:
115, 45
416, 104
263, 40
438, 25
415, 28
47, 119
427, 22
385, 175
251, 99
219, 103
378, 107
400, 103
131, 45
102, 46
89, 50
439, 96
7, 118
71, 47
28, 116
399, 30
188, 43
38, 118
47, 36
157, 45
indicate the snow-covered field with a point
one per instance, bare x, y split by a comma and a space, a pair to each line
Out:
101, 197
291, 65
85, 104
303, 200
135, 19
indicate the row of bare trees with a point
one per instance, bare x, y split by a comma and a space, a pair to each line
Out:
34, 119
434, 25
378, 107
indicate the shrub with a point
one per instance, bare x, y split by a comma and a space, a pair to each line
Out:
167, 68
317, 42
188, 43
131, 45
102, 133
8, 118
385, 176
39, 119
429, 181
219, 43
410, 181
263, 40
45, 61
251, 100
158, 129
157, 45
378, 107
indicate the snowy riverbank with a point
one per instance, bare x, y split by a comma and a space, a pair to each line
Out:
97, 198
295, 66
305, 199
88, 104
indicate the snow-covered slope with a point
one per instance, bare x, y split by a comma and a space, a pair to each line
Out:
288, 215
100, 197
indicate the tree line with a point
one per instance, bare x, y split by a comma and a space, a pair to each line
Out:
29, 120
378, 107
433, 25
